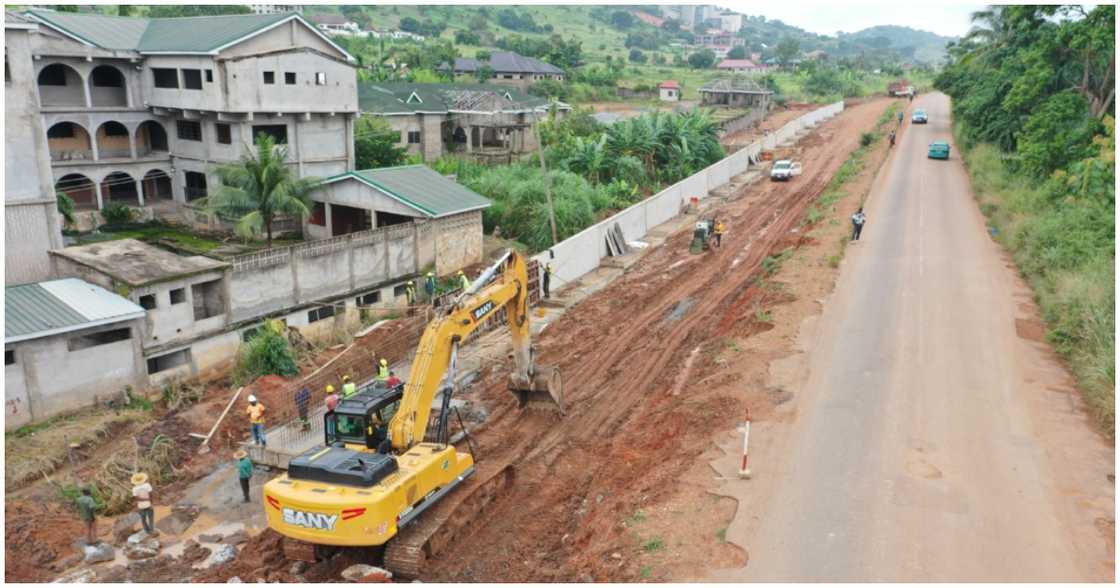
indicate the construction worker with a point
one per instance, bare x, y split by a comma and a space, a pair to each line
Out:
900, 118
303, 399
393, 380
348, 388
546, 279
244, 472
87, 511
142, 492
858, 220
892, 138
256, 420
332, 403
430, 286
718, 232
410, 292
464, 283
383, 370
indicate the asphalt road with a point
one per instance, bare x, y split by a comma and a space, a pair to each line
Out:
914, 454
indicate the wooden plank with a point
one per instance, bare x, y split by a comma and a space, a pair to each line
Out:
204, 448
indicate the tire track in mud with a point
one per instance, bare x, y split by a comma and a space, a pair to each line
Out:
626, 437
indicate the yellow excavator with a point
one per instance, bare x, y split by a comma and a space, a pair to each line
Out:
383, 479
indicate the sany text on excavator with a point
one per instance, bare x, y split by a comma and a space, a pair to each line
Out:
377, 484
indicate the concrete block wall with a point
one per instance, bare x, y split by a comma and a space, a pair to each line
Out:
582, 252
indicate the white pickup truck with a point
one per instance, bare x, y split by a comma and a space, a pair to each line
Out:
784, 170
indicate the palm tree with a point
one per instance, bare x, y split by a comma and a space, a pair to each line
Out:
588, 158
259, 188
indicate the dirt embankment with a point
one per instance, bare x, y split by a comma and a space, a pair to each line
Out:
593, 486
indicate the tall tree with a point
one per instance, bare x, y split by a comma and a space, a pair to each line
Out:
376, 144
259, 188
788, 49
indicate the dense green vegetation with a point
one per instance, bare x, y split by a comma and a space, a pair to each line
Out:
592, 172
1033, 100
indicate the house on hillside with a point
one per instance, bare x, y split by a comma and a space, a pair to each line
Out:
740, 66
139, 111
488, 122
355, 201
737, 93
335, 24
509, 68
670, 91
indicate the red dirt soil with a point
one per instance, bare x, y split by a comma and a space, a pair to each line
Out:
627, 441
38, 535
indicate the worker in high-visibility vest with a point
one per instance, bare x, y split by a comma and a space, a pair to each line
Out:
348, 388
383, 370
410, 292
464, 283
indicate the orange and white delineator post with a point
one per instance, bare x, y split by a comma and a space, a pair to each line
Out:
745, 468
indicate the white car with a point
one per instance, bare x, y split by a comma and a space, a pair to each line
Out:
785, 170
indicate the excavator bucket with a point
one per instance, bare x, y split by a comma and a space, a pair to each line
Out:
543, 391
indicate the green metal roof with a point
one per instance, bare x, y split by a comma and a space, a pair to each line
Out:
59, 306
408, 98
201, 34
419, 187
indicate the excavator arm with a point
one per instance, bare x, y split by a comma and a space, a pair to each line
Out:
503, 285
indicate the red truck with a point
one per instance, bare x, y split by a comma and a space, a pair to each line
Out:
900, 88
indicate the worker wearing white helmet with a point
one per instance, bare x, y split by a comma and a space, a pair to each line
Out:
256, 420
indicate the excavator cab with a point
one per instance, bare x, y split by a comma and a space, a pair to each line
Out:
362, 421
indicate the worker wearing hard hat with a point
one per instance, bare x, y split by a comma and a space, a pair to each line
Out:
383, 370
332, 403
348, 388
430, 285
464, 283
256, 420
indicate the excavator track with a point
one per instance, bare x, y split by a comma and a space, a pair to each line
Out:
428, 536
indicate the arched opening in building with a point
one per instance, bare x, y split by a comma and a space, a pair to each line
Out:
113, 140
107, 87
150, 137
157, 186
80, 189
68, 141
119, 188
60, 85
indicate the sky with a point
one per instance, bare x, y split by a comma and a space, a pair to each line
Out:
944, 18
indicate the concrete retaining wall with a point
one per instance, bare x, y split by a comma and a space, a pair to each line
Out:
582, 252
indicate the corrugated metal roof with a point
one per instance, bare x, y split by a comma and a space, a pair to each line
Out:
107, 32
421, 188
59, 306
506, 62
393, 98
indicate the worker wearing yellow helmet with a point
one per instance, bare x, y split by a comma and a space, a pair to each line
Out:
464, 283
383, 370
410, 292
348, 388
430, 285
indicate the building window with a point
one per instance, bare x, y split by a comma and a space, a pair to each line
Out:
209, 75
279, 133
9, 356
178, 295
100, 338
413, 137
400, 290
192, 79
224, 136
167, 361
208, 300
106, 77
270, 77
7, 71
318, 215
61, 131
148, 301
320, 78
115, 129
196, 185
165, 77
290, 78
189, 130
320, 313
368, 299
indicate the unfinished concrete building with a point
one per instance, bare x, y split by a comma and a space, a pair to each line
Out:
67, 343
139, 111
736, 93
487, 122
510, 69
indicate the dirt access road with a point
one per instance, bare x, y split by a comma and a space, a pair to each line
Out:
935, 438
636, 425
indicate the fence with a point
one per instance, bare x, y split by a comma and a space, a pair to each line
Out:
581, 253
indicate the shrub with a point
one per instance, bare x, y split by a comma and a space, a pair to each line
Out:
866, 139
116, 213
267, 352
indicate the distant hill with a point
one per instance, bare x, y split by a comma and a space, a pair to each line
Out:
921, 46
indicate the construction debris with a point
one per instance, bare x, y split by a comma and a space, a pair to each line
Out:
98, 552
366, 573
